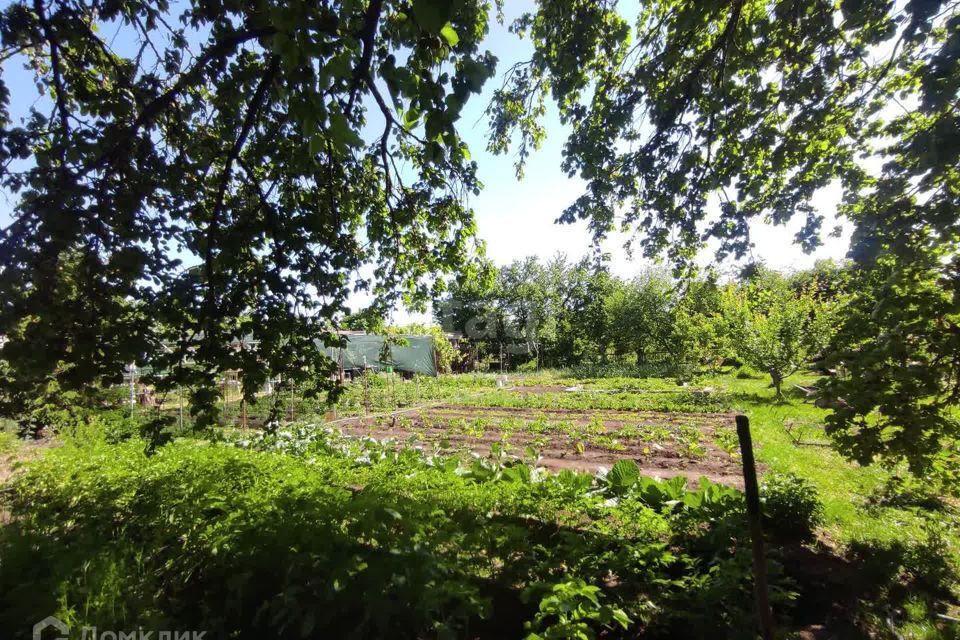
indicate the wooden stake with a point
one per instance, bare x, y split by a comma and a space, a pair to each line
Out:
756, 531
366, 388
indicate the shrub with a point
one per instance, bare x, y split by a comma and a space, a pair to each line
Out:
791, 507
930, 560
528, 367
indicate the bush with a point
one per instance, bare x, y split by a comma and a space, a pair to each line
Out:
791, 507
529, 366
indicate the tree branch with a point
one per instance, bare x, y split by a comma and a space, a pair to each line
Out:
367, 36
213, 227
59, 96
157, 105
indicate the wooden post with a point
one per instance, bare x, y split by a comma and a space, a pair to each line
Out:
756, 531
366, 388
133, 387
243, 411
180, 395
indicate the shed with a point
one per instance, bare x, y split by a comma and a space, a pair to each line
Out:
361, 349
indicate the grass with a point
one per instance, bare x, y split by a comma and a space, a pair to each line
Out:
844, 486
8, 442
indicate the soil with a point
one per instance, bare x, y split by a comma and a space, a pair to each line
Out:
559, 450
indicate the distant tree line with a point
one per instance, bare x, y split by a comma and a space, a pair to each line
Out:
558, 313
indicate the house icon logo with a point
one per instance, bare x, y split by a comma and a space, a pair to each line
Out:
51, 623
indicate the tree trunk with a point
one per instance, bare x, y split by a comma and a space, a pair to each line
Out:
777, 379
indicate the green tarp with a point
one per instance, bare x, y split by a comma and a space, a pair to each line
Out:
417, 356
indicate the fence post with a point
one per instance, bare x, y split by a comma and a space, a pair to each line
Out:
132, 368
756, 531
366, 388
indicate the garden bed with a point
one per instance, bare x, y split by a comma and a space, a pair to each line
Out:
663, 444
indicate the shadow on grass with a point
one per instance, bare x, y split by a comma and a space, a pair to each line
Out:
900, 492
875, 591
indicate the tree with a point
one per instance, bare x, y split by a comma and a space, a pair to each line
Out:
754, 106
896, 355
583, 328
260, 143
776, 330
526, 295
639, 315
698, 338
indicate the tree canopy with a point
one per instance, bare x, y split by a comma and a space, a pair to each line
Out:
194, 173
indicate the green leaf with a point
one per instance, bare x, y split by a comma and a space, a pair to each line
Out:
449, 35
315, 145
623, 475
411, 117
431, 15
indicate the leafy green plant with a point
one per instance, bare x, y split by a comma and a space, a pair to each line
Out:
791, 506
409, 542
726, 438
622, 477
570, 610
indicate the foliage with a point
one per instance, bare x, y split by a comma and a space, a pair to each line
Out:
568, 611
303, 533
558, 313
671, 554
639, 315
776, 330
8, 442
791, 507
895, 392
551, 312
170, 204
